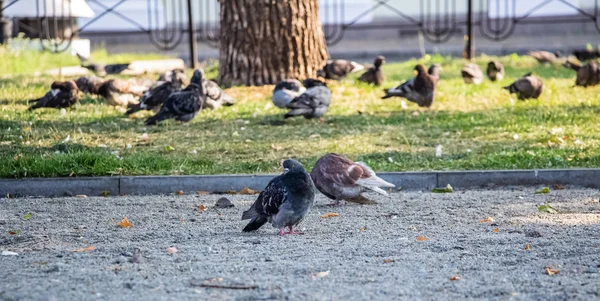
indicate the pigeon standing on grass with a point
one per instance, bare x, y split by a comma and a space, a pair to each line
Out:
338, 69
472, 74
117, 92
420, 89
285, 91
89, 84
286, 200
587, 75
154, 98
528, 86
339, 178
313, 103
215, 96
183, 105
374, 75
495, 71
61, 95
545, 57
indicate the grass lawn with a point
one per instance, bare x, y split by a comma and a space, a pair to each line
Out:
479, 127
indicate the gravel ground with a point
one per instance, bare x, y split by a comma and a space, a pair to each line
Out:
376, 252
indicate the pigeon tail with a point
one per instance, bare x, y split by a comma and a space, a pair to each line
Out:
356, 67
255, 223
373, 180
132, 108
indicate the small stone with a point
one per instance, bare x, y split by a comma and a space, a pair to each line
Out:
137, 256
119, 260
532, 233
53, 269
224, 203
9, 253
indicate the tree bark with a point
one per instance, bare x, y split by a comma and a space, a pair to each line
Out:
266, 41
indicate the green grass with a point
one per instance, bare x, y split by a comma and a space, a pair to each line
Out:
476, 125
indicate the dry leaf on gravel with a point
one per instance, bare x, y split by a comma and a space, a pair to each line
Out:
330, 214
422, 238
527, 247
321, 274
558, 187
172, 250
454, 278
88, 249
202, 208
124, 223
202, 192
83, 196
247, 190
496, 230
388, 260
551, 271
180, 192
487, 220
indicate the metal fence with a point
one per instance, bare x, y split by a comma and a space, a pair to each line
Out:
170, 22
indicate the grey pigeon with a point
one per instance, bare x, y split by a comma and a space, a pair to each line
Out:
495, 71
117, 92
587, 75
89, 84
183, 105
419, 89
338, 69
61, 95
285, 91
215, 96
313, 103
154, 98
528, 86
339, 178
286, 200
545, 57
472, 74
374, 75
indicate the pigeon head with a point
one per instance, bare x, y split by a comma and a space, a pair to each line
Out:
197, 77
178, 77
311, 82
493, 65
435, 69
379, 61
420, 69
558, 54
290, 165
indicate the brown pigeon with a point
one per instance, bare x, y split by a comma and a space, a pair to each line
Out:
374, 75
89, 84
528, 86
495, 71
420, 89
544, 57
61, 95
338, 69
117, 92
472, 74
339, 178
587, 75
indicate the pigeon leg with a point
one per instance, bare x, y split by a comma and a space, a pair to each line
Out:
337, 203
281, 232
293, 232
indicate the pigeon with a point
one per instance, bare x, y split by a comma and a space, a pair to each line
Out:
89, 84
586, 55
313, 103
183, 105
286, 200
472, 74
154, 98
176, 76
285, 91
117, 92
215, 96
61, 95
527, 87
587, 75
544, 57
420, 89
338, 69
339, 178
101, 69
374, 75
495, 71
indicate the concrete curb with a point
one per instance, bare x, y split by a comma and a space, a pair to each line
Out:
151, 185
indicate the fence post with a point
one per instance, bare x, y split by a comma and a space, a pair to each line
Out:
2, 37
192, 36
469, 29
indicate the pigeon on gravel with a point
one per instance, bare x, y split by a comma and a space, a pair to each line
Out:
285, 91
117, 92
89, 84
215, 96
545, 57
338, 69
420, 89
182, 105
61, 95
528, 86
286, 200
154, 98
495, 71
587, 75
339, 178
313, 103
472, 74
374, 75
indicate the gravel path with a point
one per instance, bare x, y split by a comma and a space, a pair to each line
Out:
376, 252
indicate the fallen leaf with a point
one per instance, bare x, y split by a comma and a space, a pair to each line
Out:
27, 216
422, 238
551, 271
558, 187
124, 223
487, 220
172, 250
527, 247
14, 232
180, 192
169, 148
543, 190
202, 192
547, 208
388, 260
276, 147
83, 196
322, 274
447, 189
330, 214
202, 208
88, 249
496, 230
247, 190
362, 229
105, 193
454, 278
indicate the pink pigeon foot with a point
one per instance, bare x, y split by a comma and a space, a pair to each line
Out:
293, 232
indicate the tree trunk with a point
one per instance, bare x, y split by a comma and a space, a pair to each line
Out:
265, 41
